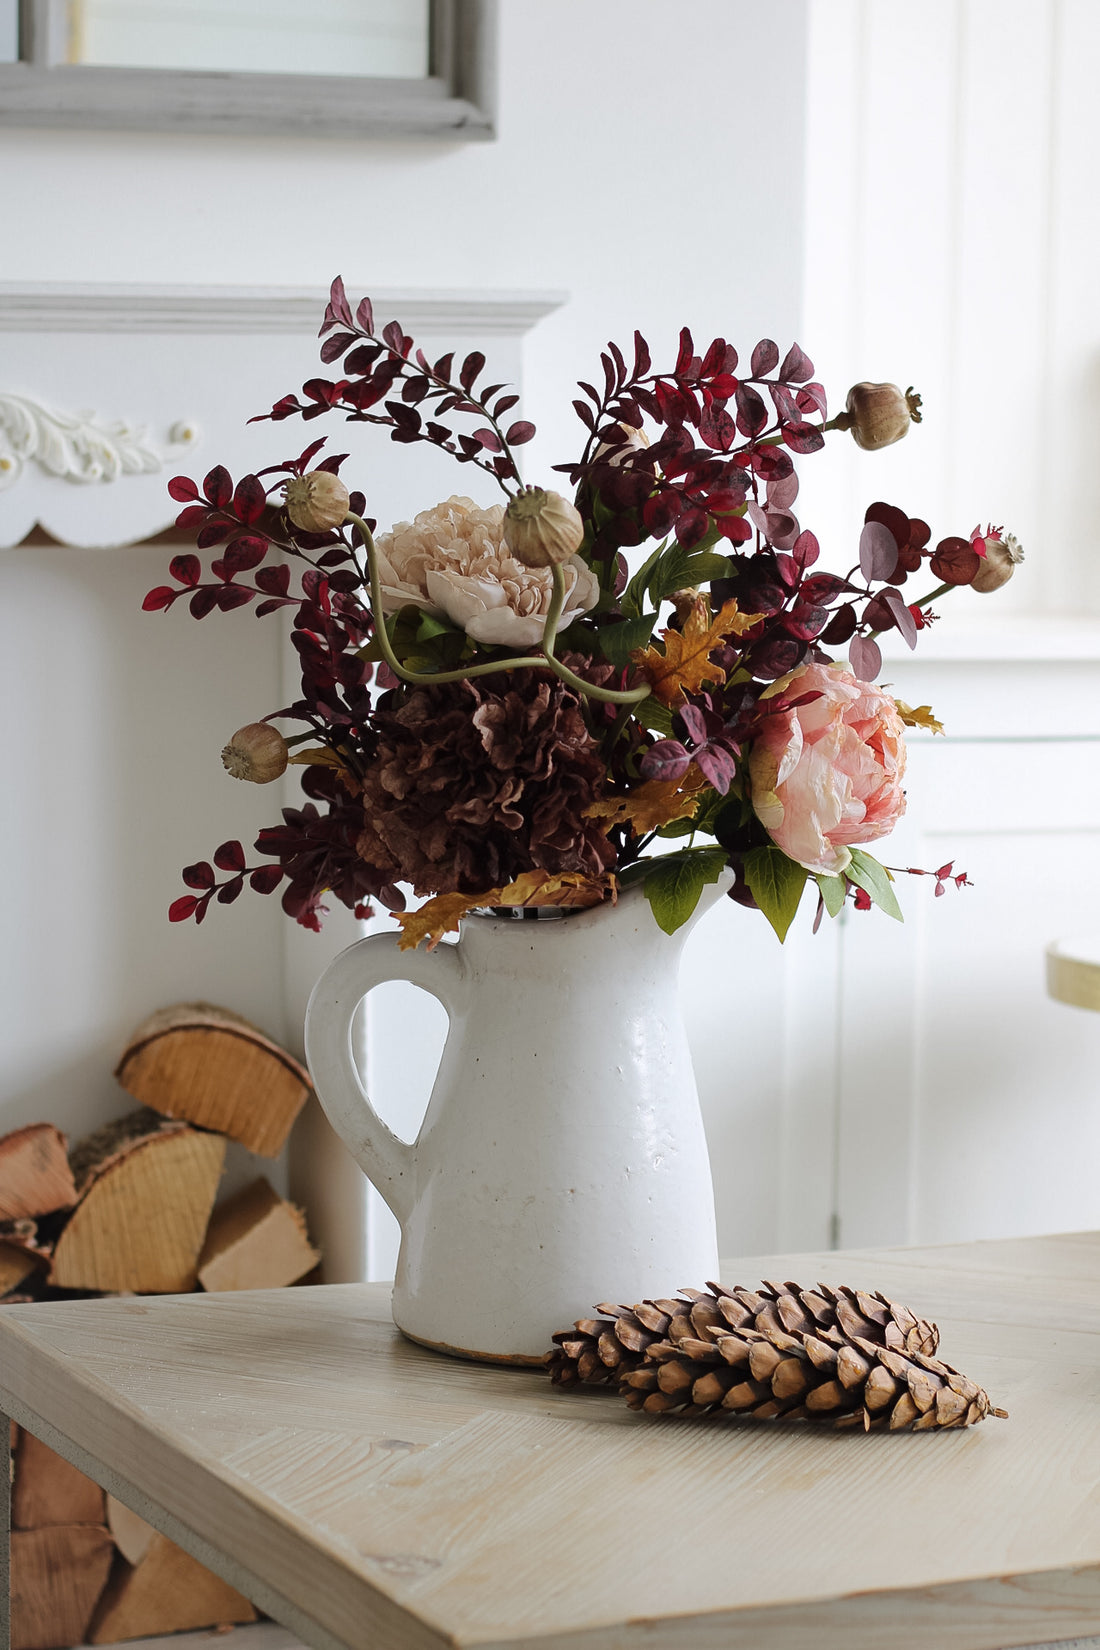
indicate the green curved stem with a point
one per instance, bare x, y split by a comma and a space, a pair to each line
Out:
537, 661
417, 676
611, 696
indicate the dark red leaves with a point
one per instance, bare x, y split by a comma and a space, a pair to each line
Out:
803, 438
519, 432
249, 500
218, 487
471, 367
200, 875
765, 358
229, 857
182, 489
865, 658
752, 414
266, 878
182, 908
274, 580
878, 551
192, 517
187, 569
163, 596
797, 366
667, 759
955, 562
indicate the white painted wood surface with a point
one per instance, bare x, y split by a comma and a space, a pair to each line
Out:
368, 1492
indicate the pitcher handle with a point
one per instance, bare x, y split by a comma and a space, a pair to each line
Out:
385, 1160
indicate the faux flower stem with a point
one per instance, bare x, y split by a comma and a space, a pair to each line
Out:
610, 696
922, 601
557, 601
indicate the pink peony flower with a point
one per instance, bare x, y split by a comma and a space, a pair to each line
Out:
827, 773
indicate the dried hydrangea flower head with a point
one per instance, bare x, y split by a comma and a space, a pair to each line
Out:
316, 502
1000, 552
257, 753
879, 414
542, 528
454, 561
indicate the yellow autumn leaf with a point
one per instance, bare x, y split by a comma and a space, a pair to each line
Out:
556, 888
317, 756
658, 802
437, 916
685, 665
920, 718
443, 912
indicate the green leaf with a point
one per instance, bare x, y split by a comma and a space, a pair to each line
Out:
834, 891
673, 885
679, 569
775, 883
655, 716
866, 872
618, 641
634, 594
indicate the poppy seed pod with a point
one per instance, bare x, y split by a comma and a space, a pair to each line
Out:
998, 564
257, 753
880, 414
316, 502
542, 528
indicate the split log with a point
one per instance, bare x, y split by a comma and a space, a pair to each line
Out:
35, 1178
256, 1241
57, 1576
48, 1490
16, 1266
160, 1588
147, 1186
214, 1069
21, 1253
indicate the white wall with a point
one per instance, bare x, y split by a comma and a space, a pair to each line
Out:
649, 163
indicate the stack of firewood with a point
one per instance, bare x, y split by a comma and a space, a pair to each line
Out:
131, 1210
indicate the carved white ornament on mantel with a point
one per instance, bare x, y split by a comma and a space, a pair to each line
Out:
78, 446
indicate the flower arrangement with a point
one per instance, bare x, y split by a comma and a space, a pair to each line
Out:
500, 711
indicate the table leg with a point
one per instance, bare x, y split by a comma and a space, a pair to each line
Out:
5, 1532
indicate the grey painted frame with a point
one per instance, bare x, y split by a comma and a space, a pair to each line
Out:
455, 101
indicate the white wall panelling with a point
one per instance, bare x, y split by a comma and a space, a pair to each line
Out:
115, 717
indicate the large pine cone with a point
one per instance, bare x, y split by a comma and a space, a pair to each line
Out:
826, 1378
602, 1350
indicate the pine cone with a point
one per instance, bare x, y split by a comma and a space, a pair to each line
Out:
601, 1350
827, 1378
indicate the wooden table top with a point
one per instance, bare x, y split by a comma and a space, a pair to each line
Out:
371, 1493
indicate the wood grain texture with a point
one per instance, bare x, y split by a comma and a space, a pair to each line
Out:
140, 1224
392, 1497
167, 1591
256, 1240
47, 1489
215, 1069
35, 1178
57, 1575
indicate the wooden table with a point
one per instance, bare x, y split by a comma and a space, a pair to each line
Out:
368, 1493
1073, 971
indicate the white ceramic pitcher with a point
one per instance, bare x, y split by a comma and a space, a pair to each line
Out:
561, 1161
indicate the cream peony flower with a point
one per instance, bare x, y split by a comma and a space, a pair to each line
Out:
454, 562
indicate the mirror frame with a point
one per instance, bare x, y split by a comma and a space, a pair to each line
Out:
455, 101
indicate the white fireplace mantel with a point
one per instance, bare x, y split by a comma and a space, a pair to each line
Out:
108, 390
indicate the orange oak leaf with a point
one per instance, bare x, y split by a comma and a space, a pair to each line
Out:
443, 912
437, 916
685, 664
557, 888
921, 717
658, 802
